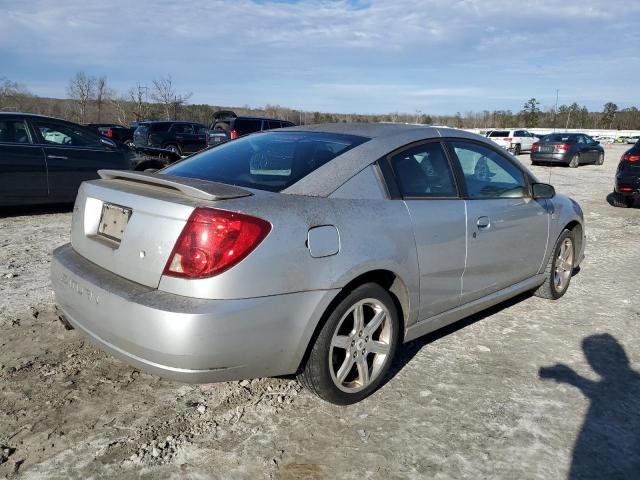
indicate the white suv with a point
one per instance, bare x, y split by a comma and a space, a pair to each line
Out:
515, 141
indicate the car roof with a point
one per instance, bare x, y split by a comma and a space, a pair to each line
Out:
383, 139
31, 115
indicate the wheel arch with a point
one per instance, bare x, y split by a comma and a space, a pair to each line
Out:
576, 228
387, 279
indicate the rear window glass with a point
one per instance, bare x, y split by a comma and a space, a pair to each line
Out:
499, 133
269, 161
558, 137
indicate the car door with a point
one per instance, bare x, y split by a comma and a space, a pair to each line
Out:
507, 230
527, 140
73, 154
425, 182
23, 170
589, 148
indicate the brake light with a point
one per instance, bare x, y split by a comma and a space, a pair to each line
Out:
535, 147
631, 158
234, 134
213, 241
563, 147
626, 189
110, 133
507, 139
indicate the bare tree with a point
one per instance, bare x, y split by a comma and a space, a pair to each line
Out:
139, 97
103, 94
14, 96
82, 89
164, 94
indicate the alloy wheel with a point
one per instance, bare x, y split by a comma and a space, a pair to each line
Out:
564, 265
360, 345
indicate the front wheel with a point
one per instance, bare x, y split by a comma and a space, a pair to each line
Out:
600, 159
173, 148
355, 347
575, 161
559, 269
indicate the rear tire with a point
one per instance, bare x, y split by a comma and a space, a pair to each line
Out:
622, 201
173, 148
600, 159
354, 350
575, 161
559, 268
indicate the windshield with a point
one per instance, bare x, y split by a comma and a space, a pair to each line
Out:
267, 161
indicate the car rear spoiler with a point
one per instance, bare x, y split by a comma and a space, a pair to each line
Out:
190, 187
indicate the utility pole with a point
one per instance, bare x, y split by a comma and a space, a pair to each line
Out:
555, 110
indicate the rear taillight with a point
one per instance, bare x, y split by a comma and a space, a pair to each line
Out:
110, 133
507, 139
631, 158
563, 147
213, 241
234, 134
535, 147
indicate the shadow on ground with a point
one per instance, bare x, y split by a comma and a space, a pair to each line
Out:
610, 201
608, 446
19, 211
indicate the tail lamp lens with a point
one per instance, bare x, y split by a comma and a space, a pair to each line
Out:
110, 133
507, 139
563, 147
631, 158
213, 241
234, 134
535, 147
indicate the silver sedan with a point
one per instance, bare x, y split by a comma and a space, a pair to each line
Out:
314, 250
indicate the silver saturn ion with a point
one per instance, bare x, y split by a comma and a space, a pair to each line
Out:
314, 250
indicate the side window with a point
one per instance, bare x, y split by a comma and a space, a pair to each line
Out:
488, 174
581, 139
68, 135
14, 131
274, 124
519, 133
424, 171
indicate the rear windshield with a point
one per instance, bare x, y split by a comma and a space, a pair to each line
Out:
499, 133
268, 161
559, 137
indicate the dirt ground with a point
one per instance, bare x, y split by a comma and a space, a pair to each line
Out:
482, 399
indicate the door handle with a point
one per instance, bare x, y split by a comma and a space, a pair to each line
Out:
57, 157
483, 222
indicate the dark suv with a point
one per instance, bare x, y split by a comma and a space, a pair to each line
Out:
115, 132
627, 185
180, 137
226, 125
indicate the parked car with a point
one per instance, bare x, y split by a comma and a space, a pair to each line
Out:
182, 138
632, 139
569, 148
255, 258
226, 125
627, 183
515, 141
44, 160
115, 132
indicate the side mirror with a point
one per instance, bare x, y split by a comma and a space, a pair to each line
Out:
543, 190
108, 143
596, 142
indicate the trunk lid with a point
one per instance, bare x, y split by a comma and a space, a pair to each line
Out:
128, 222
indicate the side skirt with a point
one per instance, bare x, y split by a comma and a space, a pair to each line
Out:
443, 319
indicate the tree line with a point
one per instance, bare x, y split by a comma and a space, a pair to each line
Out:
92, 100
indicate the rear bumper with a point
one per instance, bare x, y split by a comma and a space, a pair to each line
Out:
550, 157
182, 338
628, 186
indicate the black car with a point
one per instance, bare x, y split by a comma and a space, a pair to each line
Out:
44, 160
627, 184
113, 131
568, 148
182, 138
226, 125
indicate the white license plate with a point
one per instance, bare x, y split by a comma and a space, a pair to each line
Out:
546, 149
113, 221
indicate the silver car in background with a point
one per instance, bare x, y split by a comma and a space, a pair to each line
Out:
314, 250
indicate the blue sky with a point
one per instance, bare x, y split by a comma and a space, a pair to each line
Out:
366, 56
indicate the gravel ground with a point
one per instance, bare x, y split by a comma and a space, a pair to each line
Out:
476, 400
